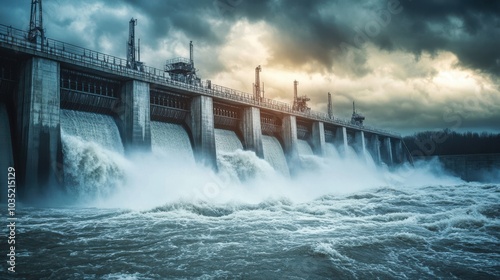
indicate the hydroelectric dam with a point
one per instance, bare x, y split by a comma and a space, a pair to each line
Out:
49, 89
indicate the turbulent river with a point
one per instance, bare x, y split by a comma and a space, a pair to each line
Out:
342, 217
426, 232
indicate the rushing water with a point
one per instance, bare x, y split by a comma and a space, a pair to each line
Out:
158, 217
273, 153
171, 140
427, 232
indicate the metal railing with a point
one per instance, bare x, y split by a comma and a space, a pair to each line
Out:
16, 39
178, 60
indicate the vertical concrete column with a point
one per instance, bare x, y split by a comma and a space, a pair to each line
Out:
375, 148
359, 139
289, 134
397, 151
135, 116
387, 151
252, 132
38, 125
341, 139
202, 129
318, 138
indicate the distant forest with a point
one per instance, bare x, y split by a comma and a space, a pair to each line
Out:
447, 142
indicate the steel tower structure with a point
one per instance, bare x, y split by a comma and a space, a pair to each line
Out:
182, 69
257, 91
330, 106
36, 33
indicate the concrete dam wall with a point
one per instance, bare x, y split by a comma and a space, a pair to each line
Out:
62, 107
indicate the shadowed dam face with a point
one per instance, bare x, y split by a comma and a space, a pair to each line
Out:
6, 153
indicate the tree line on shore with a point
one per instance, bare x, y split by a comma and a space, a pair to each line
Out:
447, 142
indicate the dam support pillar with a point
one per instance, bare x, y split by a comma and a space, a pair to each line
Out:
202, 129
359, 140
318, 138
375, 148
341, 140
38, 126
252, 132
135, 117
289, 135
387, 151
397, 151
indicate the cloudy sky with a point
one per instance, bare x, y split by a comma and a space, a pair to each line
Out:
409, 65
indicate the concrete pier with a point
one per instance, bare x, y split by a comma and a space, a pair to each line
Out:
202, 129
341, 139
252, 132
360, 145
135, 117
289, 135
397, 151
387, 152
38, 125
318, 138
375, 148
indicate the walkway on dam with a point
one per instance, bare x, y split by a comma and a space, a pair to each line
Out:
15, 39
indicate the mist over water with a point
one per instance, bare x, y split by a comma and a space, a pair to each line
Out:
151, 216
94, 162
98, 172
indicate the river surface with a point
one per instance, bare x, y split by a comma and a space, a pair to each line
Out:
161, 215
429, 232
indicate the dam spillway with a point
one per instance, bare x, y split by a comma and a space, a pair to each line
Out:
48, 87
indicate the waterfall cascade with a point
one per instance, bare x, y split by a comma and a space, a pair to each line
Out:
227, 141
331, 151
304, 148
91, 127
273, 153
94, 164
234, 162
171, 140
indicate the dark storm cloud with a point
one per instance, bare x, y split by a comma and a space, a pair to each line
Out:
317, 31
469, 29
189, 17
316, 36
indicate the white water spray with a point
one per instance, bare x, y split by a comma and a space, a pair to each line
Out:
99, 172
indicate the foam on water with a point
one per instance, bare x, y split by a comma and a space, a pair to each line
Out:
91, 171
384, 232
236, 165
